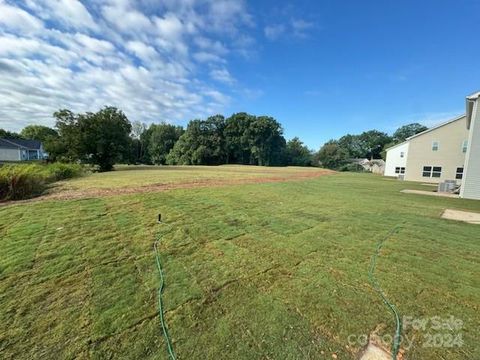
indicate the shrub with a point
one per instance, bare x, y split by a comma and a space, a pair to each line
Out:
20, 181
59, 171
23, 181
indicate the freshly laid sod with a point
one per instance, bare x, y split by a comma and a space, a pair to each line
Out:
253, 271
135, 176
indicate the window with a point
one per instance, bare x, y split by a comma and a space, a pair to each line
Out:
464, 146
402, 154
399, 170
435, 146
432, 171
459, 174
427, 171
437, 172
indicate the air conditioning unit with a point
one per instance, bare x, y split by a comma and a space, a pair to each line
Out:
448, 186
401, 177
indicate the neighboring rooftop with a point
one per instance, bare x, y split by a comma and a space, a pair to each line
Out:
20, 143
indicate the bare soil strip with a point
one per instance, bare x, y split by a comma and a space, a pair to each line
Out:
67, 194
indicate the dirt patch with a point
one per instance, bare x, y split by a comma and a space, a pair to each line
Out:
465, 216
374, 352
64, 194
377, 348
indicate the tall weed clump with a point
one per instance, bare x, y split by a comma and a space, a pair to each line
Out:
60, 171
23, 181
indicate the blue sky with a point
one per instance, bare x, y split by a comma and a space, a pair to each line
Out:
322, 68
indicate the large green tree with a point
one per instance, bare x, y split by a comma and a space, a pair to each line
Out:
67, 146
368, 144
332, 155
237, 138
162, 138
373, 142
406, 131
100, 138
38, 132
9, 134
267, 143
297, 153
202, 143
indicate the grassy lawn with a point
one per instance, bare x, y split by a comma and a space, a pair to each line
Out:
134, 176
253, 271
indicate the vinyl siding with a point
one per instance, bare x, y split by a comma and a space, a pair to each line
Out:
394, 159
471, 182
449, 155
9, 154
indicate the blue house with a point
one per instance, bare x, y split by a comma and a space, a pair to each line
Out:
21, 150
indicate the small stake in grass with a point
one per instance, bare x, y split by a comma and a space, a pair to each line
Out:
159, 218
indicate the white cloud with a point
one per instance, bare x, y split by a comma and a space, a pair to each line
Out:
141, 50
298, 28
222, 75
71, 13
127, 19
429, 119
207, 44
18, 19
273, 32
169, 27
82, 56
206, 57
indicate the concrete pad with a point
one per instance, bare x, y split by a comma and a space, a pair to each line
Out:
466, 216
431, 193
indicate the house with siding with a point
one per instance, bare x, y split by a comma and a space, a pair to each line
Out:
471, 180
449, 151
21, 150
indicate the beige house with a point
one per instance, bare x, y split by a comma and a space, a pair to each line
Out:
449, 151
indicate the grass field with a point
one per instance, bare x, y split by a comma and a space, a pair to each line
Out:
253, 271
135, 176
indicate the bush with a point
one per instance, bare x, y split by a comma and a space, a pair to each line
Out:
23, 181
353, 167
59, 171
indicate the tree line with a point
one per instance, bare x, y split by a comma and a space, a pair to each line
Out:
108, 137
338, 154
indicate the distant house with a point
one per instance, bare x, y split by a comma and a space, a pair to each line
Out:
449, 151
375, 166
21, 150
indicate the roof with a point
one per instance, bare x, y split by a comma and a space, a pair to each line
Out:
474, 96
428, 130
394, 146
469, 105
20, 143
7, 145
436, 127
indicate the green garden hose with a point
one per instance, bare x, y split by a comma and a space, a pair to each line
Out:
378, 289
171, 353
